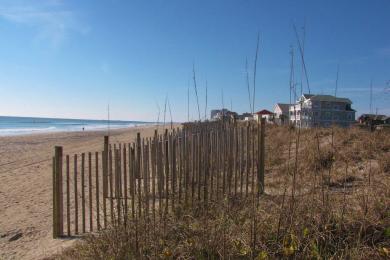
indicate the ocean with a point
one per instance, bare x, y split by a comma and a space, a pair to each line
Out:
30, 125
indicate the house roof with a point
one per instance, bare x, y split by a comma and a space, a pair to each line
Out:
283, 107
331, 98
264, 112
307, 96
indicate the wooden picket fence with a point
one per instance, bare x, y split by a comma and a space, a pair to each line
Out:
191, 167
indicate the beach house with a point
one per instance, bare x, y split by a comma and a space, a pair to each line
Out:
281, 113
268, 115
322, 111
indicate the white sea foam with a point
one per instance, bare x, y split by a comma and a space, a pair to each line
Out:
10, 126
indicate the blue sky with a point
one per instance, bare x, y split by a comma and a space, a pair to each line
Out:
71, 58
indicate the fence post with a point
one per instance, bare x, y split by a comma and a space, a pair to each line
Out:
58, 224
262, 156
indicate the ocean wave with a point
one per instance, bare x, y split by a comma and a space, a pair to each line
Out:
18, 131
63, 128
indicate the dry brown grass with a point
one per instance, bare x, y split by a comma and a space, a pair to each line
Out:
337, 206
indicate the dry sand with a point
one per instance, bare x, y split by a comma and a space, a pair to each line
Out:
26, 188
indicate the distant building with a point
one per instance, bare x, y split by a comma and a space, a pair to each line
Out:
281, 113
373, 120
245, 116
322, 111
268, 115
249, 118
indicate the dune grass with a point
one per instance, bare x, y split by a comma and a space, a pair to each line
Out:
328, 197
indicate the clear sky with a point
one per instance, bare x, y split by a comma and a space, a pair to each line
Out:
71, 58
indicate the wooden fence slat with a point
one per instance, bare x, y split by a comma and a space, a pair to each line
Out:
262, 157
160, 176
247, 160
67, 196
132, 180
55, 200
138, 173
166, 174
173, 164
254, 157
153, 162
117, 183
125, 190
97, 190
193, 169
105, 178
199, 164
90, 191
83, 191
76, 204
110, 173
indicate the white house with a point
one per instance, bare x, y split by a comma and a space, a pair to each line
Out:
322, 111
268, 115
281, 112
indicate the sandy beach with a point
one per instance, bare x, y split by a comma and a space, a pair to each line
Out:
26, 187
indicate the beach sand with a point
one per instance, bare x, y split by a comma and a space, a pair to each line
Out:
26, 187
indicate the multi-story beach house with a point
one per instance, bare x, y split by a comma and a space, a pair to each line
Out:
322, 111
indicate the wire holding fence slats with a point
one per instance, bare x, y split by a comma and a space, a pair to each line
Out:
146, 179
